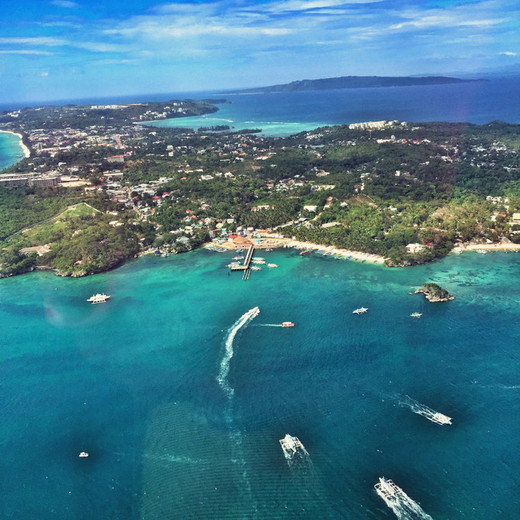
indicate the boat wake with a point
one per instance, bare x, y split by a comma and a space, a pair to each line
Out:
228, 353
235, 435
422, 409
399, 502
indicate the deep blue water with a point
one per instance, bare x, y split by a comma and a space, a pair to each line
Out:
134, 383
288, 113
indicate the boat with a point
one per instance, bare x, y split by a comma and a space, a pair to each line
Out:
425, 411
291, 446
439, 418
361, 310
255, 268
416, 314
238, 258
287, 324
83, 455
398, 501
98, 298
272, 265
386, 488
306, 252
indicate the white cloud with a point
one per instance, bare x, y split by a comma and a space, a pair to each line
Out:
508, 53
65, 4
28, 52
45, 41
44, 74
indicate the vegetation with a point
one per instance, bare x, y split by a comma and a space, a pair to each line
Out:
408, 192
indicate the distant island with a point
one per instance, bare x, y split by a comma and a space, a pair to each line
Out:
355, 82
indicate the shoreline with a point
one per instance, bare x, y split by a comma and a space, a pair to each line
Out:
296, 244
500, 247
23, 146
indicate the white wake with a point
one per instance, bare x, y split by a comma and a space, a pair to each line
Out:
228, 353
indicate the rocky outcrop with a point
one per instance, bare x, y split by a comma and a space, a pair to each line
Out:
435, 293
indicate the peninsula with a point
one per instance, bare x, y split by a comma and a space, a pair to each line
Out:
355, 82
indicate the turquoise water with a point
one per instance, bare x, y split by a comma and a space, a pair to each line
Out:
10, 150
134, 383
282, 114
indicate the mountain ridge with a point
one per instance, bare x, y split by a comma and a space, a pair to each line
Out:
343, 82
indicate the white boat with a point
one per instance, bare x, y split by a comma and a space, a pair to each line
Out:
255, 268
398, 501
291, 446
83, 455
98, 298
386, 488
425, 411
438, 418
361, 310
272, 265
416, 314
287, 324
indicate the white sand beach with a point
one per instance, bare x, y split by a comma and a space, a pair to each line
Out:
23, 146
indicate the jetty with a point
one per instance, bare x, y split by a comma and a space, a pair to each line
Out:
246, 266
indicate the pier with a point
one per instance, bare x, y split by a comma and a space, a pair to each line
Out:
245, 267
247, 261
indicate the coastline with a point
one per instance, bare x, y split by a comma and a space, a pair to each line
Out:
296, 244
23, 146
504, 247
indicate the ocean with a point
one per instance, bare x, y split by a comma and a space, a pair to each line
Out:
180, 398
282, 114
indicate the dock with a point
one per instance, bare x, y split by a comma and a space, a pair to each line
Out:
247, 261
245, 267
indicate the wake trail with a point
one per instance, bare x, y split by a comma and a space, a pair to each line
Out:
235, 435
228, 352
422, 409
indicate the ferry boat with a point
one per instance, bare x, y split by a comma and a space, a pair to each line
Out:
438, 418
287, 324
361, 310
98, 298
416, 314
290, 446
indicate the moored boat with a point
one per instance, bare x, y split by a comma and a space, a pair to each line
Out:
361, 310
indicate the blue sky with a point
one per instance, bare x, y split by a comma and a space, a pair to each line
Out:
66, 49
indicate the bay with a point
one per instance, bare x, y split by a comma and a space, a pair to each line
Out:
10, 150
134, 383
282, 114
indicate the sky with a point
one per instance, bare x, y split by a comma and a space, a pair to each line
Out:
70, 49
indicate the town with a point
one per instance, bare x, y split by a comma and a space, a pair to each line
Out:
102, 184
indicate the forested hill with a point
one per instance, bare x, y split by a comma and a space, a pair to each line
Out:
355, 82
